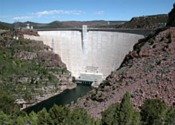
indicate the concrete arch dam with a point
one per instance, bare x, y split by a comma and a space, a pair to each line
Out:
89, 55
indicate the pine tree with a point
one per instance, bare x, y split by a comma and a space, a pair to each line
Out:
121, 114
21, 120
33, 118
110, 116
127, 114
44, 118
79, 116
5, 119
153, 112
126, 111
170, 116
59, 114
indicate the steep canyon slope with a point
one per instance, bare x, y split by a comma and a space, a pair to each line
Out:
146, 72
29, 71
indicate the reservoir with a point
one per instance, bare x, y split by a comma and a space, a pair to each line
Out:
66, 97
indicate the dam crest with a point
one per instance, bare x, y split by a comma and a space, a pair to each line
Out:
90, 54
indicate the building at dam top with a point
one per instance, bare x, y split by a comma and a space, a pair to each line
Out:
88, 54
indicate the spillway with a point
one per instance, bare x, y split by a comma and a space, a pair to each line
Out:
89, 55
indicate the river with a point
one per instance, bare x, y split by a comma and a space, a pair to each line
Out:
66, 97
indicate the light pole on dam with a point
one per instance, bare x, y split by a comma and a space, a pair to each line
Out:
90, 55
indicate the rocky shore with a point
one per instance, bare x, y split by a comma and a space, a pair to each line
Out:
48, 95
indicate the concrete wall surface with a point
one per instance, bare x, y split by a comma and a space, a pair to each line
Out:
93, 52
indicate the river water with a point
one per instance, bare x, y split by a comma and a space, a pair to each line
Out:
66, 97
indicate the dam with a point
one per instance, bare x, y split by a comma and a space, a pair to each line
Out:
90, 54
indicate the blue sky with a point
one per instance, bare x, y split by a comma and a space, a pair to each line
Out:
49, 10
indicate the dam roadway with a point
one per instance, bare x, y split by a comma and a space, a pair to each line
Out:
90, 54
144, 32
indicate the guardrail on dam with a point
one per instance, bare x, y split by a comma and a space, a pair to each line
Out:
90, 55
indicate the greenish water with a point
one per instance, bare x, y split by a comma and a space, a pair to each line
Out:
64, 98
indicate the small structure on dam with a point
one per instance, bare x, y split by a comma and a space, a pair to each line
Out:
90, 54
91, 75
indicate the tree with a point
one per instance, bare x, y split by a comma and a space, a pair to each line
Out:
121, 114
79, 116
7, 103
5, 119
33, 118
21, 120
110, 116
44, 118
153, 112
136, 118
170, 117
127, 114
59, 114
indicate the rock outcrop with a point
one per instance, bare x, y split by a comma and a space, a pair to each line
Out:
171, 20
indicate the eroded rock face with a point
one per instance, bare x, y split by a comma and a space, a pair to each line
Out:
171, 20
147, 72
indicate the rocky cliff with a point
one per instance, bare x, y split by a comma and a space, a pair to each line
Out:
171, 20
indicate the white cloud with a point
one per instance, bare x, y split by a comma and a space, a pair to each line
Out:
58, 12
22, 17
47, 13
100, 12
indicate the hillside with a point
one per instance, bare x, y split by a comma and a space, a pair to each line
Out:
68, 24
5, 26
24, 24
29, 71
96, 23
146, 22
147, 72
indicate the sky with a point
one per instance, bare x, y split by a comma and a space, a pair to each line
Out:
44, 11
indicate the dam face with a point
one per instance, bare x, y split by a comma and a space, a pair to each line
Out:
89, 55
